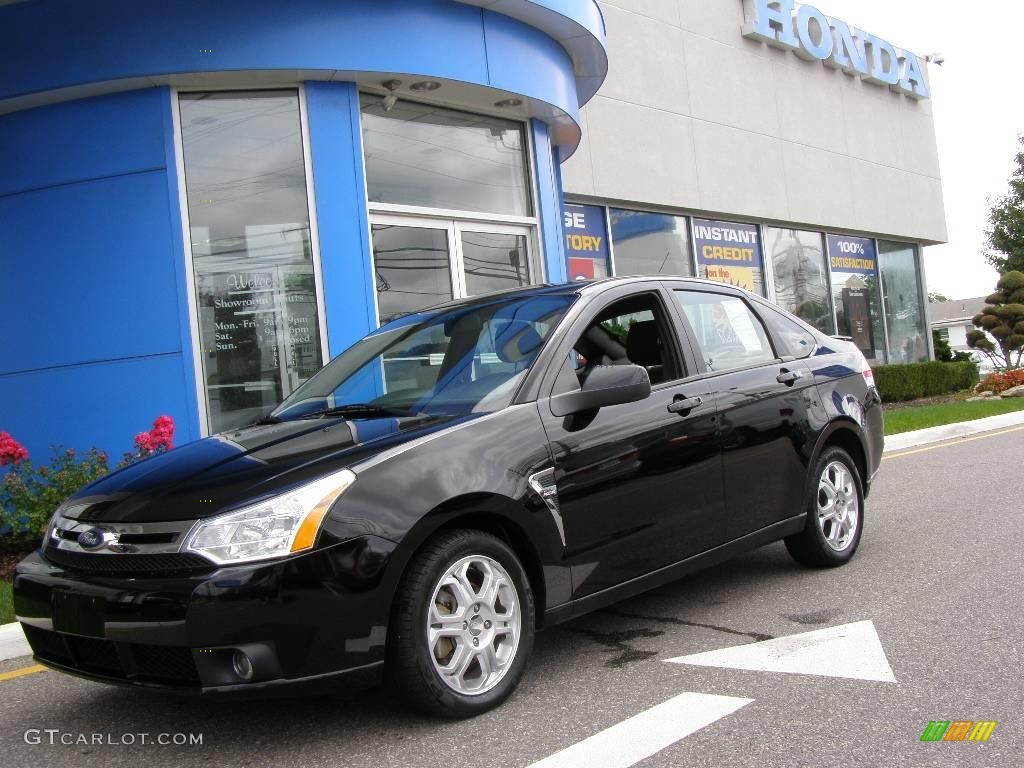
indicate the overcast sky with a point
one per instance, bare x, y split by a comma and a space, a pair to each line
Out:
978, 113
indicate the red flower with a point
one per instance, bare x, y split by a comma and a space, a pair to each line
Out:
160, 438
11, 451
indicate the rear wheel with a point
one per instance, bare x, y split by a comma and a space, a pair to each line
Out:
462, 626
835, 512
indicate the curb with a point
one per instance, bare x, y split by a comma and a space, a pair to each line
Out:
12, 642
961, 429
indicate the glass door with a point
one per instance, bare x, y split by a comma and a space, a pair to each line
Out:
422, 261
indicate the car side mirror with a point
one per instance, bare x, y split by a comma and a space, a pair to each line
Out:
604, 385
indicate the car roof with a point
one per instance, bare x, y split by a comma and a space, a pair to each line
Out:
580, 288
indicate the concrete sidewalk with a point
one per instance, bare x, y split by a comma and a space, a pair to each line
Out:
12, 642
962, 429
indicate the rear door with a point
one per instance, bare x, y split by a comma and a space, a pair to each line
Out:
764, 398
639, 485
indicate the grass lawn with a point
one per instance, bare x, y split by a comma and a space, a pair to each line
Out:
6, 603
908, 418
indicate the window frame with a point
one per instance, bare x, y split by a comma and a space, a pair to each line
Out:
556, 353
457, 220
174, 94
454, 227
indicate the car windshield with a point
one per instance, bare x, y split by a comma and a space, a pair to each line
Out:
453, 361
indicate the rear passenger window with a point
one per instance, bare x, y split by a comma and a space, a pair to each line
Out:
798, 340
728, 333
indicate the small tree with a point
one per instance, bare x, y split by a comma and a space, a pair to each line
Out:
1003, 319
1006, 222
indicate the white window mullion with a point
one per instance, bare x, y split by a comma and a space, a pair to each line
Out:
457, 261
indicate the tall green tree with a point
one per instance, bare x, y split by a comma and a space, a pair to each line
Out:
1002, 319
1005, 231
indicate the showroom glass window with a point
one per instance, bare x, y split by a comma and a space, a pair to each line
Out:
904, 310
255, 284
853, 268
798, 271
451, 209
650, 243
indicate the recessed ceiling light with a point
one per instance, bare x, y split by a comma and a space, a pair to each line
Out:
506, 103
425, 85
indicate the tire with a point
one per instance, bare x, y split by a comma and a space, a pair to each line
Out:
834, 523
437, 616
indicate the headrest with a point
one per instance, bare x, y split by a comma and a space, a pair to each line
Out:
643, 345
516, 341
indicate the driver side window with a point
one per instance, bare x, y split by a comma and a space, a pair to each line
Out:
630, 331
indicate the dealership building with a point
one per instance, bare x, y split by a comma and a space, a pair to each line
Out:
201, 203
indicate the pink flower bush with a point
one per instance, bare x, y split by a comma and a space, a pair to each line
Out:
11, 451
28, 494
160, 438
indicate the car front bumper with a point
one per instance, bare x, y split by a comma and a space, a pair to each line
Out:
309, 619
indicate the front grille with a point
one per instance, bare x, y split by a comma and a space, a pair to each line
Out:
165, 663
97, 656
125, 661
170, 563
48, 645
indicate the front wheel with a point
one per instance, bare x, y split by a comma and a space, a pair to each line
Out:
835, 513
462, 625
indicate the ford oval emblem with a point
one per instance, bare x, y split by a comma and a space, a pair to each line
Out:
94, 538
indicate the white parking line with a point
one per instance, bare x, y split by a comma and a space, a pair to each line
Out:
643, 735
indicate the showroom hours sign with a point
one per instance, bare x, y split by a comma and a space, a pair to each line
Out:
260, 339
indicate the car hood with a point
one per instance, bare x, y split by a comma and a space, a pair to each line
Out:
225, 471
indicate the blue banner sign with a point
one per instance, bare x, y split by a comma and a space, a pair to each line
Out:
586, 241
852, 254
728, 253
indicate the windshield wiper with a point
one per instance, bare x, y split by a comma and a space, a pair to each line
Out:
360, 410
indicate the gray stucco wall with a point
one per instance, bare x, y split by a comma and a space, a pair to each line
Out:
697, 117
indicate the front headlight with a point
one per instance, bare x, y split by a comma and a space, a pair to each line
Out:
278, 526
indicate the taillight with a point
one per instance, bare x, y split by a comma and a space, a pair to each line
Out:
866, 372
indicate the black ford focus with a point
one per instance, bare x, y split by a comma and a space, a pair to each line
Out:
456, 480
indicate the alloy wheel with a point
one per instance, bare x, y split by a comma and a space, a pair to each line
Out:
838, 506
473, 624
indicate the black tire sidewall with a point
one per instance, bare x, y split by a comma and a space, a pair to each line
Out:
427, 691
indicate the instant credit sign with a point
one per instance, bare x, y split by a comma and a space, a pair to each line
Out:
728, 253
852, 254
586, 241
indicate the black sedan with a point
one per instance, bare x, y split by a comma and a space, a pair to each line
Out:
457, 480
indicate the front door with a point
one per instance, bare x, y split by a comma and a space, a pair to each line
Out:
639, 485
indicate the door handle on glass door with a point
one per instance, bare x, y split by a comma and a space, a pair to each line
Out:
788, 377
683, 405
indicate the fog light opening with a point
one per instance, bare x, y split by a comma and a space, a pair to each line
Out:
242, 665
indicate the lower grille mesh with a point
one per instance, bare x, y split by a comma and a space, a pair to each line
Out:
166, 664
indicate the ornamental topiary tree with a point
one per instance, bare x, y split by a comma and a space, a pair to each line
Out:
1003, 320
1005, 232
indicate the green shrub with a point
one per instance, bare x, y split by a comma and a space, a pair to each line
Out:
913, 380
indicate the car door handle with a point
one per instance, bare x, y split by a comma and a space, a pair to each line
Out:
788, 377
683, 405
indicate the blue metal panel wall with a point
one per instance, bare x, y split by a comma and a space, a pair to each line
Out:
90, 254
337, 154
549, 203
113, 41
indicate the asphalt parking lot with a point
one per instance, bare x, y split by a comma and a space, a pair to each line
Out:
937, 579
